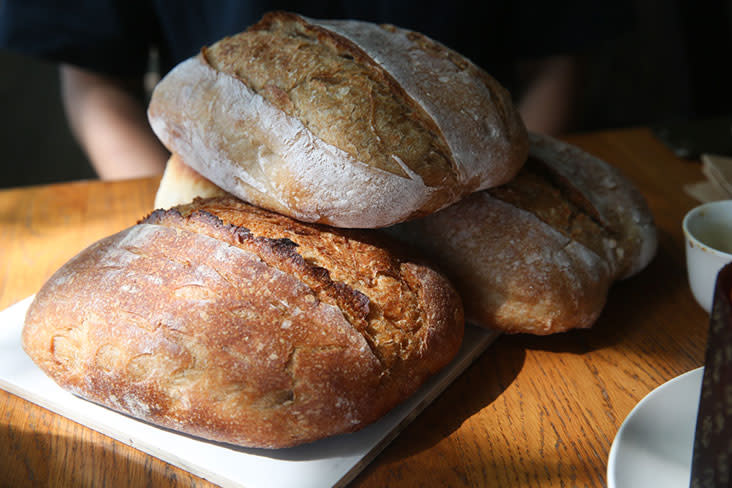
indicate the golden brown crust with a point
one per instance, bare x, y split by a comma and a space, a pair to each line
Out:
539, 254
238, 325
539, 190
338, 92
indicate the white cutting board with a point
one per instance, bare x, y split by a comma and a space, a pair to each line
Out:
330, 462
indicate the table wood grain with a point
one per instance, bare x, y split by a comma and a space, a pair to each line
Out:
531, 412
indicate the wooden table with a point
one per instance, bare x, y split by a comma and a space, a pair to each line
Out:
532, 411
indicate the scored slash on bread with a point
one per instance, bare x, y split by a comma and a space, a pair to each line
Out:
239, 325
340, 122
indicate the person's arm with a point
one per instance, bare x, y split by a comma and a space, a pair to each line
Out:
547, 102
111, 125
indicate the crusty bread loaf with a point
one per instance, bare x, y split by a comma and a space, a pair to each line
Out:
340, 122
243, 326
539, 254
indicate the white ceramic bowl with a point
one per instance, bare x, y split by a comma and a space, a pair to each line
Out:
708, 233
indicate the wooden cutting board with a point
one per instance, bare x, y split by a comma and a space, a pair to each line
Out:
330, 462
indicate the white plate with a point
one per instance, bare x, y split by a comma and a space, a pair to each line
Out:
654, 445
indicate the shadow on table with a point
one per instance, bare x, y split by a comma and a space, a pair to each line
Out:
32, 455
534, 470
477, 388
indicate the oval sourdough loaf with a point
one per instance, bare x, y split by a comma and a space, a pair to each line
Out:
239, 325
340, 122
539, 253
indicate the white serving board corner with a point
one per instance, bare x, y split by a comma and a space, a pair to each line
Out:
329, 462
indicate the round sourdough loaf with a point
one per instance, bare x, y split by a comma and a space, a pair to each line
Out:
538, 254
239, 325
346, 123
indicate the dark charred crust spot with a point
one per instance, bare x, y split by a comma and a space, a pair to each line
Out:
358, 302
283, 243
320, 274
241, 233
158, 214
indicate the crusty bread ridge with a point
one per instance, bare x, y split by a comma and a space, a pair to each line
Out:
243, 326
539, 254
339, 122
620, 208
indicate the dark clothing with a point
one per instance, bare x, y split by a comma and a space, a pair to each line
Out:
115, 36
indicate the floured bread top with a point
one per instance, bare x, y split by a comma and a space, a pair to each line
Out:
629, 239
585, 199
339, 122
472, 111
539, 190
338, 94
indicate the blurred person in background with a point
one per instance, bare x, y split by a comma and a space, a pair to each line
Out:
107, 49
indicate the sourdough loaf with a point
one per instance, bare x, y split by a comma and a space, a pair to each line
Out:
239, 325
340, 122
539, 253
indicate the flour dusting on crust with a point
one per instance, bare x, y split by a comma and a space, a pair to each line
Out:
289, 169
613, 196
466, 105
